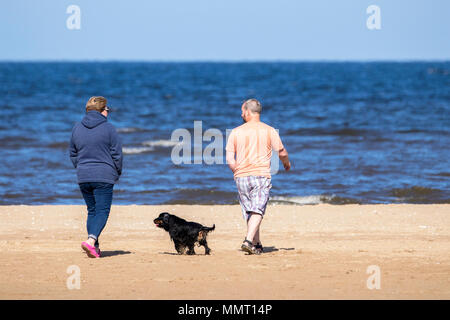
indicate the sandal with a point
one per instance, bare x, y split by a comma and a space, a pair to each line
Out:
247, 246
258, 248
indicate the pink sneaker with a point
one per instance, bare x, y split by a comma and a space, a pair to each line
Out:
90, 250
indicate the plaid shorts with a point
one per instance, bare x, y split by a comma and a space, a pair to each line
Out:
253, 194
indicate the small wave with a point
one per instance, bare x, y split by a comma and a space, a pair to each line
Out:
129, 130
202, 196
425, 131
136, 150
438, 71
443, 174
161, 143
418, 194
415, 190
316, 199
58, 145
13, 196
329, 132
149, 146
312, 199
15, 141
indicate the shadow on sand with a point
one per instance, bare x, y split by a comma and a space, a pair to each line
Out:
170, 253
106, 254
266, 250
201, 253
274, 249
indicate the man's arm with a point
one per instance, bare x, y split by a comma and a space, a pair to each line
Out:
277, 145
284, 157
231, 151
231, 161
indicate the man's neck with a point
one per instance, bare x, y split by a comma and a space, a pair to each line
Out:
254, 120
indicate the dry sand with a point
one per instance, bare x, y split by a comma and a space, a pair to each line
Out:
314, 252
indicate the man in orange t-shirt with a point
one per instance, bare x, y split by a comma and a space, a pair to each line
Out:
249, 150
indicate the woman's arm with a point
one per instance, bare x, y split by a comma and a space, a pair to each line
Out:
116, 150
73, 152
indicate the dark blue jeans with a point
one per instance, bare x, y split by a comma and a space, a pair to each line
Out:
98, 198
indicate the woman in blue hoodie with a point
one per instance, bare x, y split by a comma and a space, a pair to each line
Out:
96, 153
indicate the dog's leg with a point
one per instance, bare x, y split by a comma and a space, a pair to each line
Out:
207, 249
205, 244
202, 241
179, 247
191, 250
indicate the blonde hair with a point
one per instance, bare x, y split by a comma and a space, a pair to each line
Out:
96, 103
253, 105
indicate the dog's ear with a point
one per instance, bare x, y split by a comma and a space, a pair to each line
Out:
166, 217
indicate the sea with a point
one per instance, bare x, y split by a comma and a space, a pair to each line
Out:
356, 132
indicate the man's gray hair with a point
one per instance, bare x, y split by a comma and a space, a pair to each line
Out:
253, 105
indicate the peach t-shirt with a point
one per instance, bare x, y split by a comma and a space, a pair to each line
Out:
252, 143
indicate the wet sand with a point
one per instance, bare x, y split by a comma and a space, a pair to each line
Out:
313, 252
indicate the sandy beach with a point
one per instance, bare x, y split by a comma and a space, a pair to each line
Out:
313, 252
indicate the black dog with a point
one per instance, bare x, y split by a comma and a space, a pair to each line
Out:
184, 233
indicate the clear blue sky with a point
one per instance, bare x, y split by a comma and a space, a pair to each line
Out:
225, 30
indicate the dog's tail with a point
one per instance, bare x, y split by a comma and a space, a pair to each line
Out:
207, 229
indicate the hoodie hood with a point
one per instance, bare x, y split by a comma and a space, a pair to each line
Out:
92, 119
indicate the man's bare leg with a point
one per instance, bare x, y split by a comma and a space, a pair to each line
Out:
256, 239
253, 224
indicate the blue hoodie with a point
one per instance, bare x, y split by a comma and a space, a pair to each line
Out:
96, 149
